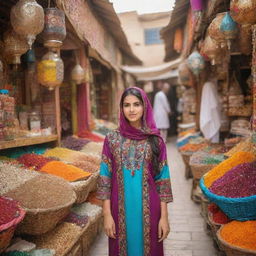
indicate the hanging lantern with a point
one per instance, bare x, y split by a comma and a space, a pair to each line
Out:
14, 47
54, 29
214, 29
78, 74
196, 63
178, 40
243, 11
228, 28
50, 70
29, 56
185, 75
211, 49
27, 19
245, 39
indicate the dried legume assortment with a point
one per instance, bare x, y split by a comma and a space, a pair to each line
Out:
74, 143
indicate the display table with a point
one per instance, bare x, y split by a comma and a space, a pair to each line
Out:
19, 142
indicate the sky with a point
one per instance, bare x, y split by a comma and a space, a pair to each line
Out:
143, 6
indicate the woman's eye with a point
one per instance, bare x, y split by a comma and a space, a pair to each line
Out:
137, 104
126, 105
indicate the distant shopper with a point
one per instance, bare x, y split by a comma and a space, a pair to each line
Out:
162, 110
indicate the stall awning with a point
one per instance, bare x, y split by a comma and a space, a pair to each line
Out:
164, 71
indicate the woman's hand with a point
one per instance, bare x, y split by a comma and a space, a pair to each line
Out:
109, 226
163, 228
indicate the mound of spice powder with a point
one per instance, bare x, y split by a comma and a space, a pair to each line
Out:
33, 161
225, 166
65, 171
241, 234
238, 182
218, 216
74, 143
9, 210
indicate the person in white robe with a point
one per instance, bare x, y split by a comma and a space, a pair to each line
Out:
210, 113
162, 111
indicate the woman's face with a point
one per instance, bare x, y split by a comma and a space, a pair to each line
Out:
133, 110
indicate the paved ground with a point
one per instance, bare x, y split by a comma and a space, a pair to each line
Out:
187, 236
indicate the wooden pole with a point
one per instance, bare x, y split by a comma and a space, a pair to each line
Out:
58, 113
74, 107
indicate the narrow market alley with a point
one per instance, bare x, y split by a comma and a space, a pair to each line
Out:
187, 236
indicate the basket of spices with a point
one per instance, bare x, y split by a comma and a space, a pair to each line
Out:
11, 214
231, 185
84, 187
238, 238
47, 200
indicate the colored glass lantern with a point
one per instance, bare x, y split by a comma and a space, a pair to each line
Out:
243, 11
55, 28
50, 70
30, 56
27, 19
78, 74
14, 47
196, 62
228, 28
214, 29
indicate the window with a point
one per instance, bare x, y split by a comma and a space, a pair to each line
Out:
152, 36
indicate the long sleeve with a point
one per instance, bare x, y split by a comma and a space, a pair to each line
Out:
166, 104
162, 180
104, 182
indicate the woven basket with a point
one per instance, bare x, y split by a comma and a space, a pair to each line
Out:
186, 159
232, 250
91, 232
198, 170
41, 220
214, 226
8, 229
83, 188
235, 208
204, 207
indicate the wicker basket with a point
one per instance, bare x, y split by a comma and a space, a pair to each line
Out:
204, 207
91, 232
186, 159
41, 220
232, 250
241, 209
83, 188
198, 170
7, 230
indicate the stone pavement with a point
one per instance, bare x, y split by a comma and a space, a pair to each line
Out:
187, 236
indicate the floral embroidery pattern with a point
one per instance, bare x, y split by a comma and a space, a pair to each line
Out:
104, 188
164, 190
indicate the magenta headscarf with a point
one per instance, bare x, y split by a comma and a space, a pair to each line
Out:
149, 125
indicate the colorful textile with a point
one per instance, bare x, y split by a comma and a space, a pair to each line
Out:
135, 194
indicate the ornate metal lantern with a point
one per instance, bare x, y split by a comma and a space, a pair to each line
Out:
185, 75
196, 62
27, 19
211, 49
14, 47
50, 70
243, 11
245, 39
214, 29
228, 28
78, 74
55, 28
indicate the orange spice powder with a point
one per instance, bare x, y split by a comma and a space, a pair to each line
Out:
65, 171
241, 234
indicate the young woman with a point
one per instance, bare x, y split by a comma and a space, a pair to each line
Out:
134, 181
